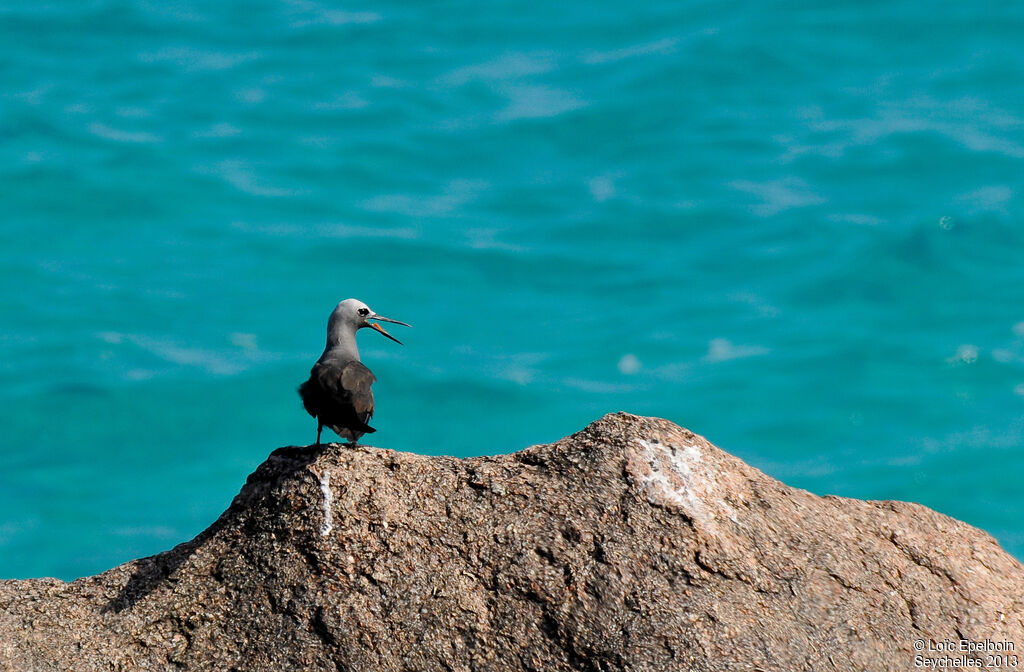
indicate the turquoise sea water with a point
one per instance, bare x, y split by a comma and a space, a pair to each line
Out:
795, 231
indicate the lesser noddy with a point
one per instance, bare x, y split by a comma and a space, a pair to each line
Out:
338, 391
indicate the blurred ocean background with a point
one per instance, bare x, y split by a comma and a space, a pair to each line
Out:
795, 231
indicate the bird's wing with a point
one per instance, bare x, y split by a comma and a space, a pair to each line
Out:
351, 385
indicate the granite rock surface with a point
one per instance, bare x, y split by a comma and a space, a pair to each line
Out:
631, 545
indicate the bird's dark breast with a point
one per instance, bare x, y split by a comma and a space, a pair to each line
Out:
339, 396
311, 396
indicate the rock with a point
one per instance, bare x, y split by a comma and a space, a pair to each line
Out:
631, 545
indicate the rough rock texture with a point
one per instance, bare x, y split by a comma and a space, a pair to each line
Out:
632, 545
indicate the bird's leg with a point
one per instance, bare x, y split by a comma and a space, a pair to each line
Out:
319, 428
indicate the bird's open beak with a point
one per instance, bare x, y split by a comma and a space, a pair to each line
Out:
379, 328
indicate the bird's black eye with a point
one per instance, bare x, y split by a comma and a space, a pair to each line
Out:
364, 311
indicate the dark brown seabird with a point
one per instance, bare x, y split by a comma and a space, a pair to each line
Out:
338, 391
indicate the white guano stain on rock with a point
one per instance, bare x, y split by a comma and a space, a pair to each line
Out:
671, 477
325, 488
